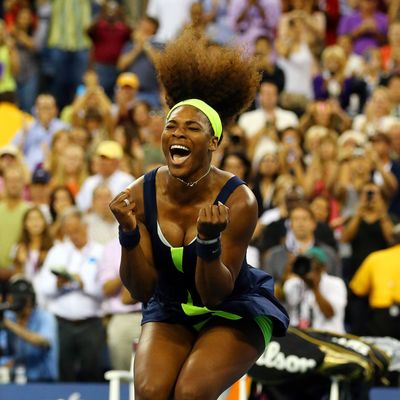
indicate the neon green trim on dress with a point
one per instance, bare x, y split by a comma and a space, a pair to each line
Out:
265, 325
177, 257
191, 310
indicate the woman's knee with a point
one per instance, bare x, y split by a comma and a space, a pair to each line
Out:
195, 389
151, 390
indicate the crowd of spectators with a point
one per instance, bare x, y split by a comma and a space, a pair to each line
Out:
81, 117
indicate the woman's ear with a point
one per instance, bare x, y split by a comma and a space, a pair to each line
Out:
213, 143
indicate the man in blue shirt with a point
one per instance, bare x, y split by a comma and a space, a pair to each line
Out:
29, 335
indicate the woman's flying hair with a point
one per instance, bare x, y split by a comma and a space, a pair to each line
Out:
223, 77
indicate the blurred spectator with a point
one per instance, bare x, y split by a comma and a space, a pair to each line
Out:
369, 228
102, 226
394, 134
296, 60
9, 60
379, 278
109, 33
314, 298
266, 174
299, 240
69, 46
372, 71
393, 85
28, 74
126, 89
253, 18
264, 59
233, 140
238, 164
109, 154
33, 245
11, 117
12, 210
354, 62
31, 335
72, 169
138, 57
124, 325
367, 26
11, 156
390, 52
128, 137
91, 108
172, 15
60, 140
313, 23
140, 118
331, 83
34, 140
61, 198
321, 173
381, 143
198, 19
261, 125
376, 116
40, 191
70, 285
326, 113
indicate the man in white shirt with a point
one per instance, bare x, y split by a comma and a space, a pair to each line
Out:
262, 125
109, 153
69, 285
315, 299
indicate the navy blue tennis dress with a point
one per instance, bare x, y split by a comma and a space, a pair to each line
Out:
176, 299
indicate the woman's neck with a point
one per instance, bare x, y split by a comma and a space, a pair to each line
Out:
35, 242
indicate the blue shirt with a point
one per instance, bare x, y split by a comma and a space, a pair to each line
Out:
41, 363
37, 136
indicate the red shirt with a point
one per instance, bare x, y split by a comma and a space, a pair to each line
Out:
108, 39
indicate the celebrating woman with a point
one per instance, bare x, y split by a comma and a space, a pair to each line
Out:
184, 231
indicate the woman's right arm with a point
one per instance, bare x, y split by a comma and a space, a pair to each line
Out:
137, 269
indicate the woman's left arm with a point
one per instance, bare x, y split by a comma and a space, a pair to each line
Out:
216, 274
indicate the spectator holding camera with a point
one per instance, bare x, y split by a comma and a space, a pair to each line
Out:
299, 239
31, 339
314, 299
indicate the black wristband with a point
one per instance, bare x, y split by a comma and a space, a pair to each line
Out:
208, 250
129, 240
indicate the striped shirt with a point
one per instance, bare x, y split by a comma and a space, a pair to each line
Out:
69, 22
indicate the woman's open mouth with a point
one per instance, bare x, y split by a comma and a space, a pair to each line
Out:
179, 154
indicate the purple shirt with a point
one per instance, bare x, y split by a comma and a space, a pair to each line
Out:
109, 269
254, 25
349, 23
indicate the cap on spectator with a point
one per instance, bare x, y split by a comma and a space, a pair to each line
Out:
128, 79
380, 137
9, 149
110, 149
40, 176
20, 285
318, 254
353, 135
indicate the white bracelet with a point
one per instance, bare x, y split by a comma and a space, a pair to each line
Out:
208, 241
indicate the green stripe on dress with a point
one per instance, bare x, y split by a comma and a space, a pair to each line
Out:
191, 311
265, 325
177, 257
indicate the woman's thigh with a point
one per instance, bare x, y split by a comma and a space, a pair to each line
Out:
223, 353
162, 350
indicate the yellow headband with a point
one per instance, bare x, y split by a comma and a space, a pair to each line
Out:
207, 110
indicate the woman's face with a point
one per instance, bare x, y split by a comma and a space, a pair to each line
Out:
35, 223
327, 150
61, 142
268, 165
187, 141
62, 201
320, 208
141, 115
234, 165
73, 159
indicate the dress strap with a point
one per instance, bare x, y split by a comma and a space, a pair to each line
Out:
150, 202
228, 188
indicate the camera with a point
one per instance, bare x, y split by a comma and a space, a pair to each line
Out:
301, 265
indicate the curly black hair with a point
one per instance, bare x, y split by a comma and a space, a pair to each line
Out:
191, 67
